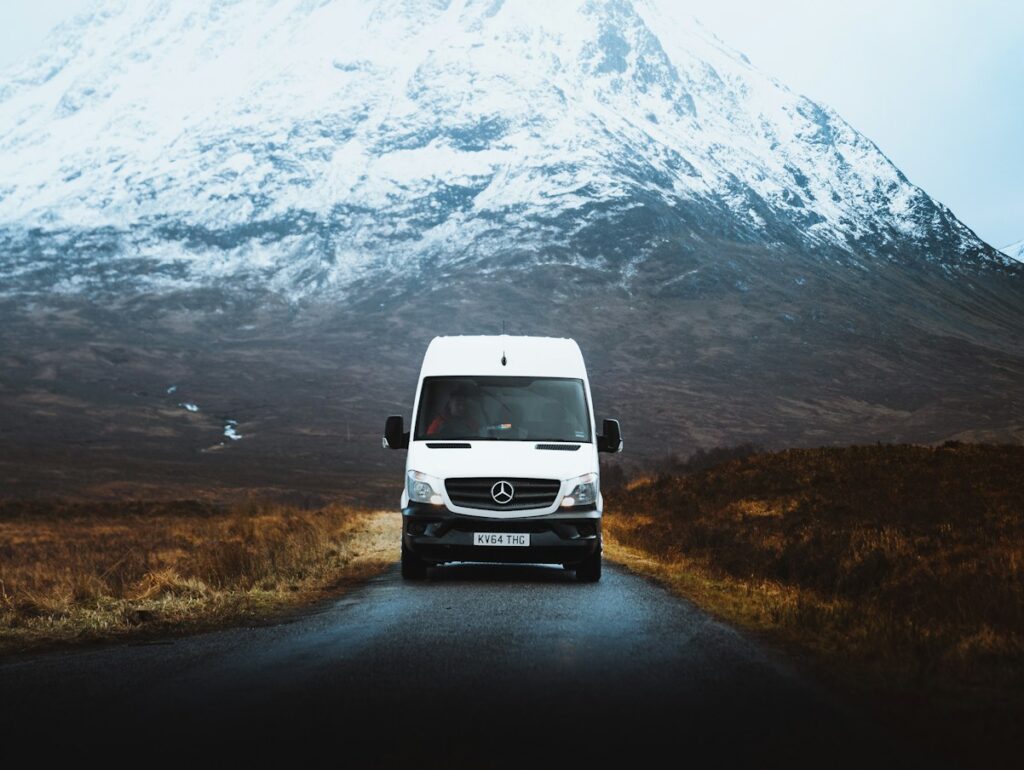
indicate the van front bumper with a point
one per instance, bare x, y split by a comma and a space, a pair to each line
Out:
438, 535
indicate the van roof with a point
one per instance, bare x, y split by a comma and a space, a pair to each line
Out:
524, 357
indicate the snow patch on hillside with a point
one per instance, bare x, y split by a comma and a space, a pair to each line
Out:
1014, 251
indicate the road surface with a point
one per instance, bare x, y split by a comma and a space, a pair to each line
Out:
504, 666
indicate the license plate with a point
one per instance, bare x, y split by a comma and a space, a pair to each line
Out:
501, 538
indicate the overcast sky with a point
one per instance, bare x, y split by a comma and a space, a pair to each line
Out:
938, 85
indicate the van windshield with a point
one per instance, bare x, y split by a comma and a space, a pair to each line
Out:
503, 409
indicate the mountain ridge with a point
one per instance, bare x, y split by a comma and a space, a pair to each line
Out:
303, 146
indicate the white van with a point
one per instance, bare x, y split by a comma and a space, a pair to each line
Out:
502, 461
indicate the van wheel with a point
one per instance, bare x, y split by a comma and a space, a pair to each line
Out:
589, 570
413, 567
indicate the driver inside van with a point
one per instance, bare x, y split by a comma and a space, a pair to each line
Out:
454, 421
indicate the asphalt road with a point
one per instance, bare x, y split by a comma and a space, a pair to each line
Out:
481, 666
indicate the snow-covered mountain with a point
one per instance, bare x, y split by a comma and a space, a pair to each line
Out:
271, 206
1015, 251
303, 145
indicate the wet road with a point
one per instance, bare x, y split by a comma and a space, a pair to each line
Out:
481, 666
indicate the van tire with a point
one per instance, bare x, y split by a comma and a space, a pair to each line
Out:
413, 567
589, 570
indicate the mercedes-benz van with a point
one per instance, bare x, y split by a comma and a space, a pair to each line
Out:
502, 456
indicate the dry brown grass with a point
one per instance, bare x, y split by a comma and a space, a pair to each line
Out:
900, 569
96, 576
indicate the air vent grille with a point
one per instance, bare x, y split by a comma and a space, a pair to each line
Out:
527, 493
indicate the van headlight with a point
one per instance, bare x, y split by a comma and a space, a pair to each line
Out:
584, 491
423, 488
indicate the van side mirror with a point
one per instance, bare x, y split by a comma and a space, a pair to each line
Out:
610, 439
395, 436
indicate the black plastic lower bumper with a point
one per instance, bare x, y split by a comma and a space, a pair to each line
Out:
438, 535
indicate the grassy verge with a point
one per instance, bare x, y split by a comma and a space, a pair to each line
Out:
898, 571
95, 576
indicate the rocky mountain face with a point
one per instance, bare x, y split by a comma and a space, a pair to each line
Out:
276, 203
301, 145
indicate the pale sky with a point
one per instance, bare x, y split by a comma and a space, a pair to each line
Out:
938, 85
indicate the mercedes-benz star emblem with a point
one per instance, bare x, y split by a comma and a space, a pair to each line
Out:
502, 492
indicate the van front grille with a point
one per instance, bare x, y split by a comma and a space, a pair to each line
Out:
526, 493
